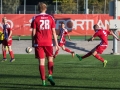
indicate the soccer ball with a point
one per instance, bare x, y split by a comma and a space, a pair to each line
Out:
28, 50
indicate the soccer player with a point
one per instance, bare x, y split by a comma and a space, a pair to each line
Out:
43, 29
103, 35
7, 42
63, 33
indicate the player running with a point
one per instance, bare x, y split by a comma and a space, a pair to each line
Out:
103, 35
7, 42
43, 28
63, 33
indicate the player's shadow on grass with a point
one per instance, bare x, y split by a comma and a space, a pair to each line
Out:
17, 86
32, 86
86, 87
17, 76
73, 45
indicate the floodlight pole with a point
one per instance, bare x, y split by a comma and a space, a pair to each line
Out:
77, 6
56, 7
1, 6
24, 6
115, 31
86, 7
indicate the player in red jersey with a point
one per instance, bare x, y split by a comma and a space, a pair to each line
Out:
63, 33
7, 42
43, 30
103, 35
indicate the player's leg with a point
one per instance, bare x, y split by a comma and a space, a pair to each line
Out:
100, 49
4, 53
50, 70
42, 70
86, 55
49, 55
67, 50
11, 54
96, 55
9, 44
39, 53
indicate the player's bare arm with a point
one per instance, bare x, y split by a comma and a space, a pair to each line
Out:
68, 37
111, 32
55, 38
91, 39
33, 35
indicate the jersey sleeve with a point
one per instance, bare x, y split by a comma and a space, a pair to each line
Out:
34, 24
53, 22
108, 32
96, 34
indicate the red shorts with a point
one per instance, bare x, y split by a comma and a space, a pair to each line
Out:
7, 43
61, 44
100, 48
41, 51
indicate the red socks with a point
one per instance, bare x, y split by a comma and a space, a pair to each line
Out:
99, 57
96, 56
42, 71
4, 54
87, 55
11, 54
67, 50
50, 68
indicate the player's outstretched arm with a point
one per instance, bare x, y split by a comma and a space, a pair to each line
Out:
114, 35
91, 39
68, 37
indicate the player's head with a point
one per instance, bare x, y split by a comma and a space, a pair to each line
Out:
4, 20
96, 27
42, 7
62, 25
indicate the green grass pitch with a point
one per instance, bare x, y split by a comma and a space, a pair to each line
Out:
69, 73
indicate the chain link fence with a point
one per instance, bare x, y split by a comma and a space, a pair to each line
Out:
52, 9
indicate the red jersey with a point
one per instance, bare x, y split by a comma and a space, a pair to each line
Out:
43, 23
63, 33
6, 30
103, 35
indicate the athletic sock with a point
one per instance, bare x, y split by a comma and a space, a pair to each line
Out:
4, 54
42, 71
11, 54
50, 68
67, 50
99, 57
87, 55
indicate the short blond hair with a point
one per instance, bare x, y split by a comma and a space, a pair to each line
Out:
42, 6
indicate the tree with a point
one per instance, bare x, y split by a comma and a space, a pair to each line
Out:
68, 7
10, 6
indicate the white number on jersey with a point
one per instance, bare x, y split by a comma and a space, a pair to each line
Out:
104, 33
45, 24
